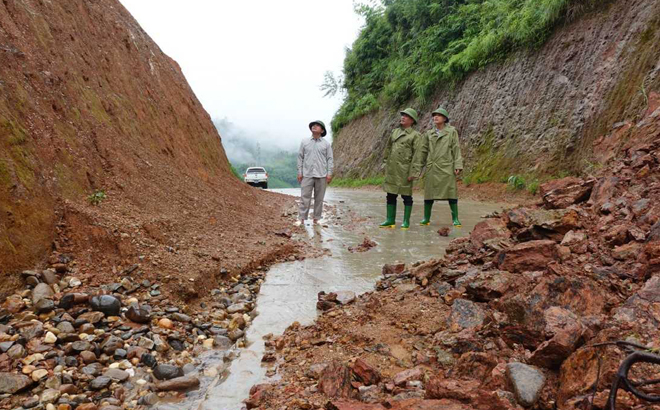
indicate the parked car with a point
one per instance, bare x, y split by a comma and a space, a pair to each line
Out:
256, 176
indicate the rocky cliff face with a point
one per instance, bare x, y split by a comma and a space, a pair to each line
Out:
88, 102
538, 112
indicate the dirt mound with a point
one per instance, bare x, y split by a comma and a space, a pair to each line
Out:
90, 104
536, 308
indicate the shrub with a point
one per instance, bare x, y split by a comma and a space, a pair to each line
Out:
97, 197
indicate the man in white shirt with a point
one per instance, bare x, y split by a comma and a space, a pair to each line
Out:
315, 164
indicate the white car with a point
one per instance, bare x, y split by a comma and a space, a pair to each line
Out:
256, 176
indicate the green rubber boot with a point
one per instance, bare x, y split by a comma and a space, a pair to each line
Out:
391, 215
427, 214
454, 215
407, 210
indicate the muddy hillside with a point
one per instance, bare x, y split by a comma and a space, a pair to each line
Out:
539, 111
106, 152
536, 308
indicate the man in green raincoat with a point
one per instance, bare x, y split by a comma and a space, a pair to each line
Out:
402, 166
441, 154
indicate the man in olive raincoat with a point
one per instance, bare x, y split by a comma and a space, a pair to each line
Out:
403, 164
441, 154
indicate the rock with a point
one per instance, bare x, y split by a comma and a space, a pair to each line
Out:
345, 297
527, 382
444, 231
13, 304
335, 381
107, 304
167, 372
562, 193
489, 285
139, 314
41, 291
16, 352
111, 344
165, 323
629, 251
49, 276
258, 395
160, 344
81, 345
11, 383
146, 343
87, 406
87, 357
315, 370
93, 369
180, 317
148, 399
100, 383
222, 342
50, 338
179, 383
401, 378
365, 373
117, 374
39, 374
148, 360
65, 327
527, 256
50, 396
491, 228
44, 306
465, 314
393, 269
91, 317
237, 307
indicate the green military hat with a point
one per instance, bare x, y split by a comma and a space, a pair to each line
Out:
410, 113
319, 122
442, 112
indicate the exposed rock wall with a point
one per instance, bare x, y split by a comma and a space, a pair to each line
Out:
538, 112
89, 102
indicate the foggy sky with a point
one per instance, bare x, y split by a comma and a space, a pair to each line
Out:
257, 63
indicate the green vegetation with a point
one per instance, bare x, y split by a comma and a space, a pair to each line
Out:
97, 197
407, 49
282, 168
235, 172
356, 183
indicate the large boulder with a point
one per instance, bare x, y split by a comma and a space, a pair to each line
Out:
335, 380
562, 193
527, 382
528, 256
488, 230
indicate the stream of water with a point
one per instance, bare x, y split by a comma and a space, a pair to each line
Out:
290, 290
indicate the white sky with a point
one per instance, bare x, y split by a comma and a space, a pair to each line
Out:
257, 62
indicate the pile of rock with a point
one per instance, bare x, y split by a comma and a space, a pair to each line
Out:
508, 319
64, 346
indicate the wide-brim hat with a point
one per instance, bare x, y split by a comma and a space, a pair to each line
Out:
442, 112
319, 122
410, 113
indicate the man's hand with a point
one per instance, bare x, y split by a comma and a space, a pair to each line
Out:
299, 179
410, 179
457, 172
328, 178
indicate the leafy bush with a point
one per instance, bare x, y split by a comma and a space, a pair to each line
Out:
97, 197
409, 48
516, 182
533, 187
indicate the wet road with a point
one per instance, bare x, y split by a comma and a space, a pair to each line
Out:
290, 291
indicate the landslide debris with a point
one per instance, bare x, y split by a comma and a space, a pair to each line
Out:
520, 314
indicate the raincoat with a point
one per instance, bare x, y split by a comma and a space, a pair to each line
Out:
402, 160
441, 155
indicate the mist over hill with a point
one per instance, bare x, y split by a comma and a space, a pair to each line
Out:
246, 149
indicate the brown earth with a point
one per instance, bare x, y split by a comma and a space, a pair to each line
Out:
89, 103
514, 316
538, 112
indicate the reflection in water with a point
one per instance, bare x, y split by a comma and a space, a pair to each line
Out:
290, 290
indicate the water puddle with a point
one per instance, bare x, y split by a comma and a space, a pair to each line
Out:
290, 291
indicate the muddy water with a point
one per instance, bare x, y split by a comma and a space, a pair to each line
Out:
290, 291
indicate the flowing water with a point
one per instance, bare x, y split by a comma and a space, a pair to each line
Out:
290, 290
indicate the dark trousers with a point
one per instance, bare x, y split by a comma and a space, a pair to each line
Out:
407, 199
451, 201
